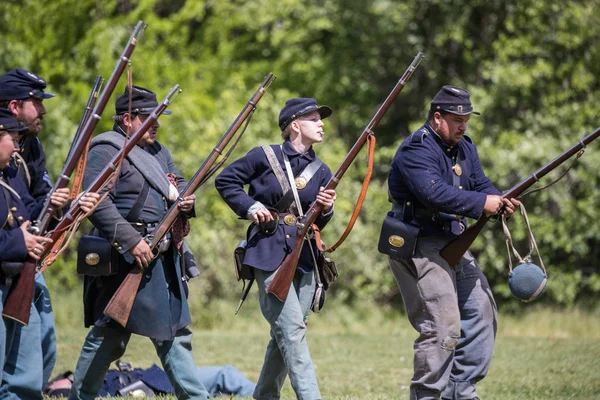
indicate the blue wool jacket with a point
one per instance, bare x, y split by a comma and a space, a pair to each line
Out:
22, 207
263, 251
422, 174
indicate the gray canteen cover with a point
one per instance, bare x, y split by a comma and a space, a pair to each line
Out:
527, 282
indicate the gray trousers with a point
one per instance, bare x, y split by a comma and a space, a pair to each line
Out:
455, 314
287, 352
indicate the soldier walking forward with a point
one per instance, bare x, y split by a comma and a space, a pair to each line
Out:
273, 234
22, 92
131, 211
437, 180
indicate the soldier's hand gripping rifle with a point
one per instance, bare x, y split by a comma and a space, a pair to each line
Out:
456, 248
280, 285
119, 306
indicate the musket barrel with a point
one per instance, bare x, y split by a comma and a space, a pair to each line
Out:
455, 249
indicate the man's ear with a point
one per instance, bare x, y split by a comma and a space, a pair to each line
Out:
437, 119
14, 106
126, 119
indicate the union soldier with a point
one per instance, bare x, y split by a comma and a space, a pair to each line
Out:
131, 211
21, 351
22, 92
270, 240
437, 180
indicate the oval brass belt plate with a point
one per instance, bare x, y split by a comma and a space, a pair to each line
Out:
289, 219
396, 241
92, 259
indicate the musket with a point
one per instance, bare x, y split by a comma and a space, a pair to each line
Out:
40, 226
120, 305
81, 163
20, 295
96, 88
457, 247
280, 285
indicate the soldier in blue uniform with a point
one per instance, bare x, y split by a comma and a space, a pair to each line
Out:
23, 92
139, 200
436, 180
21, 351
266, 170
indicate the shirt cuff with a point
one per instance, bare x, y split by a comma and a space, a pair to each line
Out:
329, 212
253, 209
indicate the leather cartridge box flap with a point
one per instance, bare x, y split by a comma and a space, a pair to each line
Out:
398, 239
96, 256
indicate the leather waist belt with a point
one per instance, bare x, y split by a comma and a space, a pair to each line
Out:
407, 211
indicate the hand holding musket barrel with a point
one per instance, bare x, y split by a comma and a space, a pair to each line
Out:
41, 225
17, 305
455, 249
280, 285
121, 303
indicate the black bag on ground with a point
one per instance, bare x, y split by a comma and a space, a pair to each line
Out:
398, 239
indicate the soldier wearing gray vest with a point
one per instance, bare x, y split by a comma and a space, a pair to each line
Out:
141, 197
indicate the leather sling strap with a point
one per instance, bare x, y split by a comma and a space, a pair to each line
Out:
361, 198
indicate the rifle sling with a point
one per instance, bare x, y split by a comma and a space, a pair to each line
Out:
361, 198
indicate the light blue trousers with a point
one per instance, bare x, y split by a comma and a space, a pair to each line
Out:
43, 306
287, 352
30, 350
104, 345
455, 314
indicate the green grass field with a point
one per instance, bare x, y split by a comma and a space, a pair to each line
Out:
367, 353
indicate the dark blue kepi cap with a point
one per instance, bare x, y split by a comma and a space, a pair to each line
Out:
143, 101
20, 84
454, 100
299, 106
9, 123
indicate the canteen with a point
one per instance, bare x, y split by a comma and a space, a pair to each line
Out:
527, 282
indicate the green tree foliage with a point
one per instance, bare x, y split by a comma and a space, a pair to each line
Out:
531, 68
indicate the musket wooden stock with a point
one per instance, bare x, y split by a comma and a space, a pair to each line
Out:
14, 305
119, 306
456, 248
280, 285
